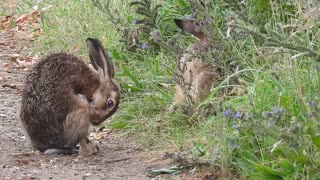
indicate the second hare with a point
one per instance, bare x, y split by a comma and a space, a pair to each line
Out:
62, 97
198, 76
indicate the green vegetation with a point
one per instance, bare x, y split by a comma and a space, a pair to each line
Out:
270, 131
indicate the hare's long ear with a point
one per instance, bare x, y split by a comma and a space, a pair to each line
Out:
190, 27
99, 58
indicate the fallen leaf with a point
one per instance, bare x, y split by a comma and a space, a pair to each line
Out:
13, 57
23, 17
107, 130
7, 65
6, 18
24, 63
102, 134
33, 35
75, 160
6, 24
75, 48
35, 12
12, 46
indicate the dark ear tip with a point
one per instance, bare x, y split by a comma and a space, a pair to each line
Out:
89, 39
92, 40
93, 43
178, 22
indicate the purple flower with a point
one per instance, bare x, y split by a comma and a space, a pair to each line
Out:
312, 114
267, 114
277, 110
234, 127
197, 28
270, 124
311, 103
227, 113
192, 16
134, 21
238, 115
144, 46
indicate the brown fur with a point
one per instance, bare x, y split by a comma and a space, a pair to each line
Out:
198, 75
62, 97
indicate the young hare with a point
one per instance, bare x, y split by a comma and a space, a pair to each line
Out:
198, 76
63, 96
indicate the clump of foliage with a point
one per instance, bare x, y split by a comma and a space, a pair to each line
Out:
257, 138
137, 27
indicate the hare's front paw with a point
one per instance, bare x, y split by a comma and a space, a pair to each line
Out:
89, 149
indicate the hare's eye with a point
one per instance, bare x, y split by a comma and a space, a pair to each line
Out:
110, 103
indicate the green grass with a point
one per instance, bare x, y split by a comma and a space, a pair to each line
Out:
277, 135
8, 8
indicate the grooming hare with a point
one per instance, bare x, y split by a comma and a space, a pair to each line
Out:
198, 76
63, 96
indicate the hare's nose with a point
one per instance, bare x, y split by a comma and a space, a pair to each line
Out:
92, 103
96, 123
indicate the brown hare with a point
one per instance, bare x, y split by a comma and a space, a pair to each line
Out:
198, 76
63, 96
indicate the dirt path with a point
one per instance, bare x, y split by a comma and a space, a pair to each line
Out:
120, 156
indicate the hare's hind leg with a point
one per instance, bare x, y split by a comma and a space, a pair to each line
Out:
59, 151
76, 131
